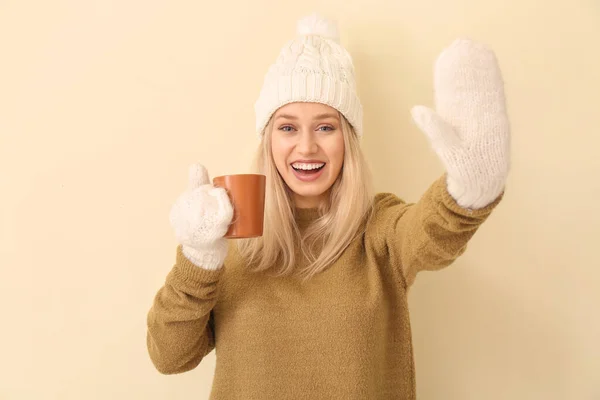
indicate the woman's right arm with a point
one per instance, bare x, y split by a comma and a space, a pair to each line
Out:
180, 330
179, 327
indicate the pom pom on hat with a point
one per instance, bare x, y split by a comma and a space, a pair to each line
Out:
318, 25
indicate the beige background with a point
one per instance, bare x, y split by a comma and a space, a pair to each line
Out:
104, 104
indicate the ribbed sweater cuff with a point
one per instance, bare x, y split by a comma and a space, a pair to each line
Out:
441, 187
186, 271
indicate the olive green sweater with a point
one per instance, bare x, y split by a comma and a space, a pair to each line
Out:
343, 335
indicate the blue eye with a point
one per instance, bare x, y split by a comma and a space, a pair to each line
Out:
326, 128
286, 128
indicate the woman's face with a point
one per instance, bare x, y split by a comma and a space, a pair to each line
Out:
308, 149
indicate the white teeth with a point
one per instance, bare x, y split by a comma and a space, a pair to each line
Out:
307, 167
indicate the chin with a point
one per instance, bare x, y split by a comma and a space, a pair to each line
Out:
307, 190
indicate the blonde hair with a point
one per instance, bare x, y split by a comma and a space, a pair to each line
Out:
341, 219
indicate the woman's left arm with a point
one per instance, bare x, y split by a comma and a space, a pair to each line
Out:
469, 130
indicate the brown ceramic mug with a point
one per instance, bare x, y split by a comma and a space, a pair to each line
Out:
247, 195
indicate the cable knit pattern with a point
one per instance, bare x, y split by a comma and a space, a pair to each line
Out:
200, 218
470, 129
313, 67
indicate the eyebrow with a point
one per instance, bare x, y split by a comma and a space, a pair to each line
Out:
317, 117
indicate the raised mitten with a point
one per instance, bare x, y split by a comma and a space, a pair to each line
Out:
200, 218
469, 129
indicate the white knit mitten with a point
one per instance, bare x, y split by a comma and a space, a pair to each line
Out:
200, 218
470, 129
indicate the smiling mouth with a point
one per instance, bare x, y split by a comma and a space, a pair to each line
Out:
308, 168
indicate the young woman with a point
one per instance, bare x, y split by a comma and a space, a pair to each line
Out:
316, 308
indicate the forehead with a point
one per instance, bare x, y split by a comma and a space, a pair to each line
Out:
306, 109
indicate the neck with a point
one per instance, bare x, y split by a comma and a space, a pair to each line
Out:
309, 202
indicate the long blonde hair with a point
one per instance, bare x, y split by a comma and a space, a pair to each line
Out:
341, 219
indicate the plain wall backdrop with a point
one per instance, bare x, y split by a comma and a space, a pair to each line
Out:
104, 104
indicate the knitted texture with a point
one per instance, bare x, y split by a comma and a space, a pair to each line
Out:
345, 334
313, 67
200, 218
470, 129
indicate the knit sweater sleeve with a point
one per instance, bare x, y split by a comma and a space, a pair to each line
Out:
179, 323
427, 235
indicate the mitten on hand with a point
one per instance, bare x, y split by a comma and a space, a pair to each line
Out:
200, 218
469, 129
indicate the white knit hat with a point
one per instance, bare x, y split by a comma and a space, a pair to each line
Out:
313, 67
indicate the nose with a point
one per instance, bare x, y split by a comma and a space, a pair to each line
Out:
307, 143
